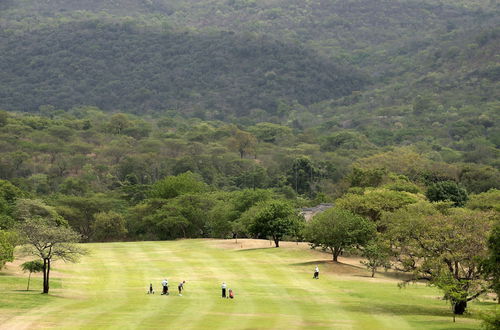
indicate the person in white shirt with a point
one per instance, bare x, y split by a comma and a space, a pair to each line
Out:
316, 273
224, 286
164, 284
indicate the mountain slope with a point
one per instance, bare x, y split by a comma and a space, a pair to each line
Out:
114, 66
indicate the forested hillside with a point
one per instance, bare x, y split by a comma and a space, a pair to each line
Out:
114, 67
274, 53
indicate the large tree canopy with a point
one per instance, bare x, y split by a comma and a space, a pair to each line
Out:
337, 229
49, 241
276, 219
445, 246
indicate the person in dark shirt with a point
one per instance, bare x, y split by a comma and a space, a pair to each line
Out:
181, 287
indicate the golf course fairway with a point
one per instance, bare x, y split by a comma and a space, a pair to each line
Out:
274, 289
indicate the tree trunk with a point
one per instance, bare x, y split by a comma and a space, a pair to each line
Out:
46, 274
373, 271
459, 307
336, 252
29, 278
277, 242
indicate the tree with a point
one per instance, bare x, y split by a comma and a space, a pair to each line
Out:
80, 211
118, 123
377, 255
49, 241
109, 226
275, 218
444, 246
342, 140
34, 266
268, 132
492, 262
173, 186
367, 177
337, 229
447, 191
479, 178
7, 244
302, 174
8, 197
485, 201
243, 142
374, 202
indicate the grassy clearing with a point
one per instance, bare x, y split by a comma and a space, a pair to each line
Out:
274, 289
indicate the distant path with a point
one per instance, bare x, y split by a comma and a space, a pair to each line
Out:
310, 212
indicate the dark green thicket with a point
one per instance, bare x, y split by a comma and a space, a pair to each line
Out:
113, 66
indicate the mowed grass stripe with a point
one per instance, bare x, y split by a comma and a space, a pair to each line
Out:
300, 291
105, 290
237, 272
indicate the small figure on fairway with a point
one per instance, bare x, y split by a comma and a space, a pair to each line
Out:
151, 291
164, 284
180, 287
316, 273
231, 293
224, 286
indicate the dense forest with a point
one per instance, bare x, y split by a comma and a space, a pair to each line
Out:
108, 98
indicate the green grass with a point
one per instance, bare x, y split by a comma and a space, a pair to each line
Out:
274, 289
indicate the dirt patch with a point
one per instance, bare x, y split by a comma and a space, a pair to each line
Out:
14, 268
247, 243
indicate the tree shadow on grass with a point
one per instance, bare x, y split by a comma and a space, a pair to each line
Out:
256, 249
381, 308
317, 262
392, 275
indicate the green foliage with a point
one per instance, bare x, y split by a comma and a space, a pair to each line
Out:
108, 226
173, 186
478, 179
341, 140
485, 201
377, 254
373, 203
337, 229
491, 321
49, 240
8, 242
445, 247
3, 117
269, 132
80, 211
34, 266
244, 143
8, 196
276, 219
447, 191
302, 175
29, 208
367, 177
250, 71
492, 261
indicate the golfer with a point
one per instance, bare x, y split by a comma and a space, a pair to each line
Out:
316, 272
151, 291
180, 287
224, 286
164, 284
